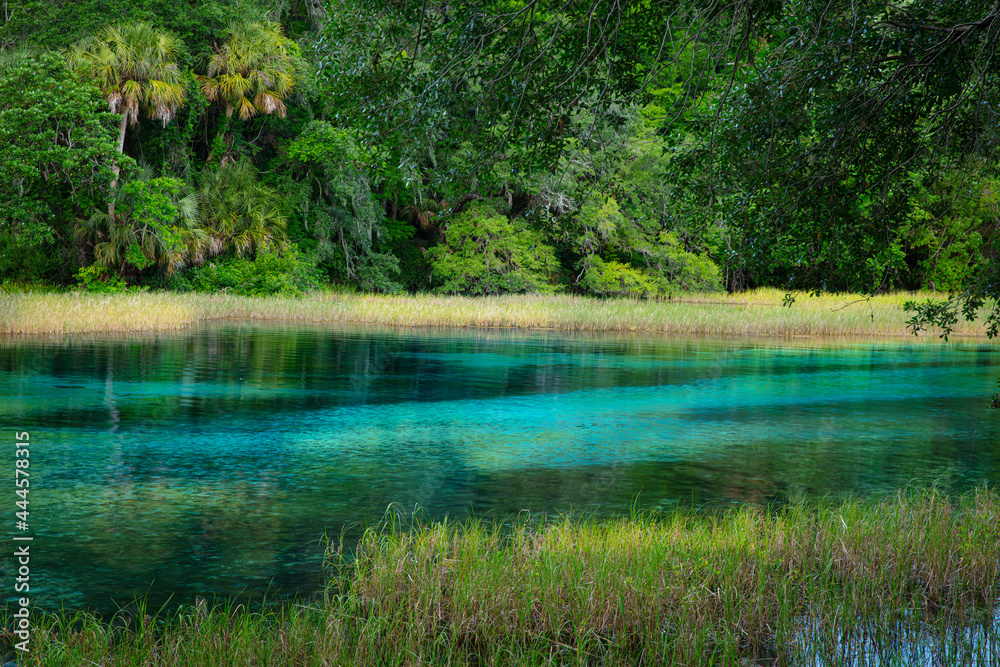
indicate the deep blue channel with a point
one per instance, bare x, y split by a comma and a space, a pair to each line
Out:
211, 462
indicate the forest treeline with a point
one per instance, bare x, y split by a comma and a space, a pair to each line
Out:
636, 148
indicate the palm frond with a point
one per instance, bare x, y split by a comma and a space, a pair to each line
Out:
251, 72
133, 64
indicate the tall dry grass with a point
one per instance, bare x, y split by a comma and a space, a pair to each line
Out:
750, 313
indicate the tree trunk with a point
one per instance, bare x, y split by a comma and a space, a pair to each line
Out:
316, 11
115, 167
277, 12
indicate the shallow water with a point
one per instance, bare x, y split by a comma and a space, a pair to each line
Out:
211, 462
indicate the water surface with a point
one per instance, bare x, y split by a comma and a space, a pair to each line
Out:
212, 461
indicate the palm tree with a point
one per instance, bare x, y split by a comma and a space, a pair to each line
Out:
229, 212
134, 66
250, 74
239, 213
132, 241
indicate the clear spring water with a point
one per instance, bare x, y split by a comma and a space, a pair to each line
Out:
211, 462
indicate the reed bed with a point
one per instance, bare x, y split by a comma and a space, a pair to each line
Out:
908, 580
758, 313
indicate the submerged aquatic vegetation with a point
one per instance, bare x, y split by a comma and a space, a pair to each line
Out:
748, 313
912, 579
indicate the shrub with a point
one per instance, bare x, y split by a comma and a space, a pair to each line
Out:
100, 279
669, 268
679, 268
288, 273
375, 271
28, 264
486, 253
952, 226
154, 224
616, 279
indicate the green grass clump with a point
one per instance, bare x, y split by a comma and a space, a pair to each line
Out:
913, 579
757, 313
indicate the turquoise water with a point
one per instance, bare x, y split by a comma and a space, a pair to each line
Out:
211, 462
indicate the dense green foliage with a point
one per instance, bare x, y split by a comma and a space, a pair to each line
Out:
637, 149
288, 274
150, 227
57, 158
486, 253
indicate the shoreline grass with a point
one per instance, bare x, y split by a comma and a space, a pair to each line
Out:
913, 579
756, 313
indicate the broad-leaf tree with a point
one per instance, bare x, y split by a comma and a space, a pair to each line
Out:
324, 175
820, 140
58, 150
512, 77
485, 253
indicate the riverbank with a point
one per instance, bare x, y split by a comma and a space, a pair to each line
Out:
758, 313
907, 580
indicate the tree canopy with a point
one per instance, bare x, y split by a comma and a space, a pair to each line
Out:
652, 146
59, 149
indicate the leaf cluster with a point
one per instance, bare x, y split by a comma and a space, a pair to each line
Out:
485, 253
58, 145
